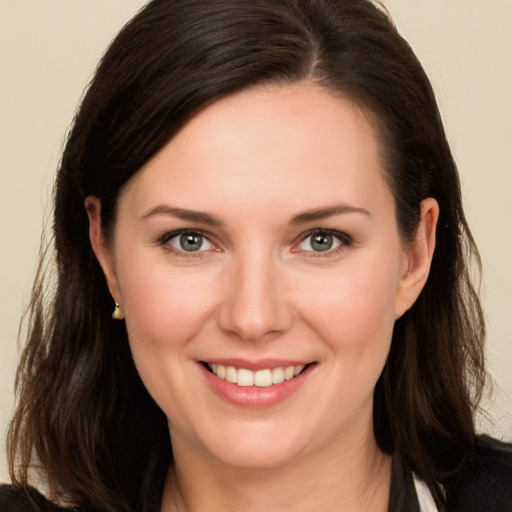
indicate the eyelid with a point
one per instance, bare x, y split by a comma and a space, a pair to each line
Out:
345, 241
165, 239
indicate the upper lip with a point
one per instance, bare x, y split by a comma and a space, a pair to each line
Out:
257, 364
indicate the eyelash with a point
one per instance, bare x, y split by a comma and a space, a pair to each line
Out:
167, 237
344, 239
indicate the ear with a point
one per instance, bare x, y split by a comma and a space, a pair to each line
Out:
100, 246
419, 255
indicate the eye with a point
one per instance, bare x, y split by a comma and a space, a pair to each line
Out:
321, 241
188, 241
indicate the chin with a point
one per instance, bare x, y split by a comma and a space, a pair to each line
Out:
259, 448
269, 457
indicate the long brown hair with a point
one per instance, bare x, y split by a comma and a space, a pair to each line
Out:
84, 420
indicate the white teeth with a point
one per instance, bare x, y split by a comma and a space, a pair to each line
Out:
245, 377
288, 373
277, 375
261, 378
231, 374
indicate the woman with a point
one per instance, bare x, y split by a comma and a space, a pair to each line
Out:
263, 193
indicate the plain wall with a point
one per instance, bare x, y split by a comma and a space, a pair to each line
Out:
48, 51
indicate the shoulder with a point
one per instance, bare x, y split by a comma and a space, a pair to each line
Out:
483, 483
13, 500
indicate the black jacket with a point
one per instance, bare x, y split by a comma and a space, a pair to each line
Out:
482, 484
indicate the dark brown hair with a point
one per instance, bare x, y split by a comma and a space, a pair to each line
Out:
84, 419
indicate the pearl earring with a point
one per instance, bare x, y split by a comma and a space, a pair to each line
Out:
117, 314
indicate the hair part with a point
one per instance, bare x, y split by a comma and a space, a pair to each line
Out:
84, 418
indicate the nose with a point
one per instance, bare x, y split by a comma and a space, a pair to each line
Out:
255, 306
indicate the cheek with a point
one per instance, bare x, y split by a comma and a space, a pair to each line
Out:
352, 312
164, 307
353, 309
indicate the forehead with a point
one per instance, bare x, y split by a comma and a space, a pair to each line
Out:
285, 144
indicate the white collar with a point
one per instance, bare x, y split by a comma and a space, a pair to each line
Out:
425, 498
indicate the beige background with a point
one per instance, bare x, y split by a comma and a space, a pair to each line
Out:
48, 50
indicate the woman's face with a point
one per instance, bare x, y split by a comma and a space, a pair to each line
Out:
259, 243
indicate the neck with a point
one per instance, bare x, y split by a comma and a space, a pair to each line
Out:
353, 477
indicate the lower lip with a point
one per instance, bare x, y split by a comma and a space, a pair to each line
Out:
254, 396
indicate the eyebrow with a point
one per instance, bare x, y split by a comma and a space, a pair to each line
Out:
322, 213
184, 214
212, 220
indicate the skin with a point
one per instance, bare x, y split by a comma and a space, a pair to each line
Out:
257, 289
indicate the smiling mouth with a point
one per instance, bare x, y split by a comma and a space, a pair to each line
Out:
261, 378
